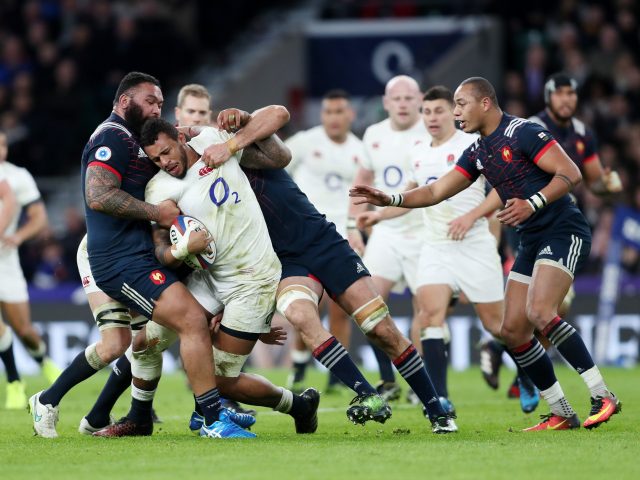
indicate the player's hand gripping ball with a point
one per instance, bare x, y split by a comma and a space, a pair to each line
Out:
179, 233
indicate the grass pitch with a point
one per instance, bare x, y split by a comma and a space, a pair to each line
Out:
488, 446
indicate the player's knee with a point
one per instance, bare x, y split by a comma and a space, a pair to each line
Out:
538, 313
511, 336
372, 314
147, 364
298, 304
387, 336
228, 364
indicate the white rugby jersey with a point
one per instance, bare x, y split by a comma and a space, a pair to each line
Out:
324, 170
222, 199
26, 192
429, 163
386, 153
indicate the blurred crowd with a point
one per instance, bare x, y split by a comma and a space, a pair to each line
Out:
60, 61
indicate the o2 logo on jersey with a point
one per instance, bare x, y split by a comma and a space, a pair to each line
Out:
103, 154
333, 181
219, 192
392, 176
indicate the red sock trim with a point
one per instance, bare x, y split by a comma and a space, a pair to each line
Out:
323, 346
551, 324
403, 356
523, 347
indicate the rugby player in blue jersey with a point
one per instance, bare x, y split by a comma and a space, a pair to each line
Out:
533, 176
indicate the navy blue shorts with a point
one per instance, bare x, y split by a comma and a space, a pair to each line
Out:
330, 260
564, 244
136, 282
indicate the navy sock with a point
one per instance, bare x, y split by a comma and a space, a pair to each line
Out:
384, 365
299, 370
140, 411
78, 371
411, 367
210, 405
196, 407
434, 352
569, 343
118, 382
536, 363
333, 355
9, 361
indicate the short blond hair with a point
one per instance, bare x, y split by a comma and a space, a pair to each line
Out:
194, 90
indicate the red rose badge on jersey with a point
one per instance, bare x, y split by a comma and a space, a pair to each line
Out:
451, 159
507, 154
157, 277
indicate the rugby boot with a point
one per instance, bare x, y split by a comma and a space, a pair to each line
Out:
16, 396
529, 395
555, 422
308, 423
86, 428
448, 407
45, 417
224, 429
241, 419
125, 427
490, 362
370, 406
602, 409
236, 407
443, 425
390, 391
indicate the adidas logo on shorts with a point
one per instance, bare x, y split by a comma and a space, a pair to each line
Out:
546, 251
359, 268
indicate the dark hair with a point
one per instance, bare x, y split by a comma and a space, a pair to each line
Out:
336, 93
439, 92
131, 80
153, 127
482, 88
556, 81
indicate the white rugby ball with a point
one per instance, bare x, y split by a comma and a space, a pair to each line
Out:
200, 261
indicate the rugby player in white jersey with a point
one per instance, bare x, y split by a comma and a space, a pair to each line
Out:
448, 263
324, 161
14, 298
246, 271
393, 247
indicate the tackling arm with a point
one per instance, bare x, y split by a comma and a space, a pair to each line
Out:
35, 224
601, 181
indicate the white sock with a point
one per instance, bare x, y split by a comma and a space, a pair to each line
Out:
557, 402
595, 382
286, 402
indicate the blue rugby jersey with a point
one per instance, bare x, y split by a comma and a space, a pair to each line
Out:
113, 146
577, 139
507, 158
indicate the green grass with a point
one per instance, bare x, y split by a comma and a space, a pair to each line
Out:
489, 444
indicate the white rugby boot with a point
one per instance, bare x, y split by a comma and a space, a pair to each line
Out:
45, 417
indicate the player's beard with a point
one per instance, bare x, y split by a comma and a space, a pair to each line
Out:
134, 116
561, 118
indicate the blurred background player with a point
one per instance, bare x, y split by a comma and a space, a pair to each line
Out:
324, 161
580, 143
395, 245
449, 262
14, 298
194, 106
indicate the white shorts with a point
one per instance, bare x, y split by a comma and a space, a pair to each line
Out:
84, 269
200, 284
471, 266
250, 308
393, 256
13, 286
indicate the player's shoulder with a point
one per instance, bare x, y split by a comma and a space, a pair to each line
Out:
208, 136
540, 118
516, 126
13, 171
380, 128
161, 186
111, 132
464, 139
580, 127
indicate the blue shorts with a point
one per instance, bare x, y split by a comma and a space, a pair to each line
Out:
137, 282
330, 260
565, 244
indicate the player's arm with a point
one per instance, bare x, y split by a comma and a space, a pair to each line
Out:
103, 194
445, 187
373, 217
36, 221
260, 125
364, 176
270, 152
601, 181
459, 227
566, 176
9, 206
172, 256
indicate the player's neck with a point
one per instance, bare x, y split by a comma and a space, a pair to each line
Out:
401, 128
192, 156
492, 123
437, 141
341, 138
561, 122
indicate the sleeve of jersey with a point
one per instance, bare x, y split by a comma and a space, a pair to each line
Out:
211, 136
590, 147
111, 152
296, 145
466, 165
28, 190
534, 140
365, 161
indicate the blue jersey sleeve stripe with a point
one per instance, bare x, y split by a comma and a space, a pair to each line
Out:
544, 149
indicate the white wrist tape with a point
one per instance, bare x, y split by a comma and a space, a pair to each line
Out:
396, 200
181, 250
537, 201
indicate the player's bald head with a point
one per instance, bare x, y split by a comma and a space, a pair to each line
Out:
401, 81
481, 88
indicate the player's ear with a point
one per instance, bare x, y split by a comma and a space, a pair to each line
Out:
182, 138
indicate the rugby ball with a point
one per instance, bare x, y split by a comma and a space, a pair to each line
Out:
200, 261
